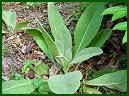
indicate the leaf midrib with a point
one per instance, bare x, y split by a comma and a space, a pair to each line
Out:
86, 32
41, 69
110, 84
56, 29
16, 86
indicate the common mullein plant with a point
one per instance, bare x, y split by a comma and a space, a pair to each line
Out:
9, 19
87, 43
61, 51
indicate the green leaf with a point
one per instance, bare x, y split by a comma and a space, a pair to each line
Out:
41, 68
10, 20
18, 76
54, 18
65, 84
116, 80
118, 15
61, 60
41, 42
36, 82
61, 34
27, 65
68, 54
10, 29
125, 38
100, 38
43, 86
103, 71
17, 87
86, 54
6, 17
63, 39
113, 10
87, 26
21, 25
51, 44
120, 26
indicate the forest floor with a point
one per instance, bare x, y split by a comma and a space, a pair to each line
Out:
18, 48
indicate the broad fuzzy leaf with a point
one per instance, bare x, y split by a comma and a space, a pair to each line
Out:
103, 71
100, 38
6, 16
43, 86
63, 39
61, 60
68, 54
41, 42
86, 54
87, 26
41, 68
61, 34
113, 10
125, 38
121, 26
119, 14
51, 44
54, 18
65, 84
21, 25
10, 20
17, 87
37, 81
116, 80
10, 29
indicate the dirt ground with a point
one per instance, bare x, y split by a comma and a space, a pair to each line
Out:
21, 46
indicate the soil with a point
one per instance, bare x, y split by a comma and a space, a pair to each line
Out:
21, 46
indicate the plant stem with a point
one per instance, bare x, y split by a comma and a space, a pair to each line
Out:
65, 70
